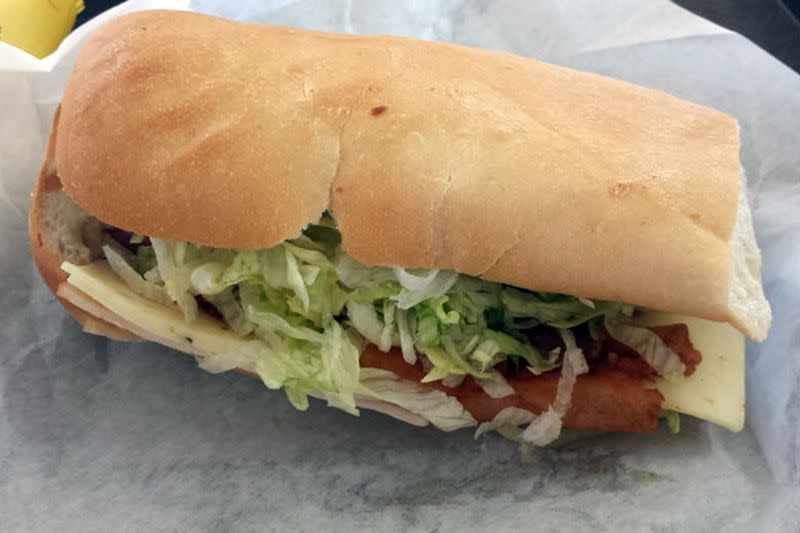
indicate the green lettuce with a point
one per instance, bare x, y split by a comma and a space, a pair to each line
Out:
673, 421
313, 308
443, 411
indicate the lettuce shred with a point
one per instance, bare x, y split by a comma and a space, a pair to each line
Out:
673, 420
313, 308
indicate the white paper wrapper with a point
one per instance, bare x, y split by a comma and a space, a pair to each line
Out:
99, 436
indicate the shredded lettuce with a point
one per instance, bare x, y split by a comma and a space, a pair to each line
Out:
559, 311
313, 307
649, 345
443, 411
673, 421
288, 296
450, 315
417, 288
230, 307
507, 422
496, 386
547, 427
174, 268
120, 261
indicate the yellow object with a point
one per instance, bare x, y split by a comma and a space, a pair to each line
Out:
715, 392
37, 26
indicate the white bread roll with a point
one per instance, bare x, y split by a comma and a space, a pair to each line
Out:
188, 127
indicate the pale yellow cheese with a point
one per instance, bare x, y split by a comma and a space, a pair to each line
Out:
715, 392
151, 320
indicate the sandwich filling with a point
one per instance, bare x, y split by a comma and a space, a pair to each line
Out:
326, 324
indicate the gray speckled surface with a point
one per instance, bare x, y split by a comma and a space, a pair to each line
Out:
136, 436
104, 436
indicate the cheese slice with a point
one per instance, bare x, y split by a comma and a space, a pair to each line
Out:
715, 392
150, 320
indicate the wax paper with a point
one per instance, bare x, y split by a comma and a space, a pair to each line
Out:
105, 436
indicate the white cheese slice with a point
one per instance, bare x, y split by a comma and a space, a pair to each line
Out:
715, 392
150, 320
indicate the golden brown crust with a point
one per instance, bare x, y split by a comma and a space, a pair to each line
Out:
189, 127
154, 111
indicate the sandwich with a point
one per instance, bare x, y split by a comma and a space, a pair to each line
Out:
446, 235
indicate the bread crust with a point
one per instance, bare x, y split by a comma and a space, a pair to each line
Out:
189, 127
46, 256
